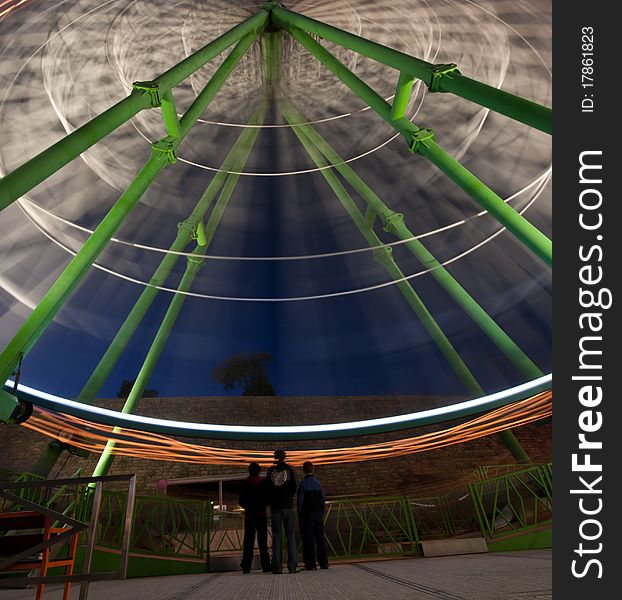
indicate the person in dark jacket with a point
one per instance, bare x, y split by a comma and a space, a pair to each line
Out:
311, 505
281, 483
254, 499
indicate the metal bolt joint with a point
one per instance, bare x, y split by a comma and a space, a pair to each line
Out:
195, 262
189, 226
420, 137
150, 87
390, 219
167, 146
383, 255
438, 72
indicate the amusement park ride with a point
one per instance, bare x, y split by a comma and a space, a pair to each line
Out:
267, 28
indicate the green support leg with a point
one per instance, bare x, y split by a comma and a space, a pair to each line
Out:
53, 300
48, 459
37, 169
394, 223
184, 235
169, 114
271, 57
187, 229
402, 95
436, 77
193, 267
422, 141
384, 256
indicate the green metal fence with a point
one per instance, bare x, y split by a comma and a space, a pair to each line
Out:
514, 501
444, 516
354, 528
162, 525
34, 495
370, 527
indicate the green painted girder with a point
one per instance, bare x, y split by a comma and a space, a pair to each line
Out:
394, 223
192, 224
442, 78
423, 142
402, 96
37, 169
309, 138
194, 264
384, 256
77, 268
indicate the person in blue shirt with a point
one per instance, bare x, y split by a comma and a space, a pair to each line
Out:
311, 505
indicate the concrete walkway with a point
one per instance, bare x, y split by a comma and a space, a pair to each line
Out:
507, 576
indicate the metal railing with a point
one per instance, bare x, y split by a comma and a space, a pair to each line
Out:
444, 516
162, 525
364, 527
87, 501
370, 526
514, 501
353, 528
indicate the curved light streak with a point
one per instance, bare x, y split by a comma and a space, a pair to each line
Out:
92, 437
540, 181
279, 299
295, 432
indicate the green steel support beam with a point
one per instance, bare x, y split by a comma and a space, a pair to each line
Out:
271, 56
48, 459
442, 78
402, 95
510, 441
58, 293
184, 235
422, 141
384, 256
194, 265
37, 169
77, 268
394, 223
169, 114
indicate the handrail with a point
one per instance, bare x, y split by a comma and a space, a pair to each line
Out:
75, 526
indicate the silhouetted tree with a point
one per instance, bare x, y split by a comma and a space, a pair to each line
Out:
126, 388
249, 371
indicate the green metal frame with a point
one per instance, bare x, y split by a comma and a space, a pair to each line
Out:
423, 142
364, 527
236, 160
444, 516
353, 528
269, 23
515, 501
162, 526
320, 152
438, 78
162, 154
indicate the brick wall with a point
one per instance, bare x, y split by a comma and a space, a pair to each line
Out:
422, 474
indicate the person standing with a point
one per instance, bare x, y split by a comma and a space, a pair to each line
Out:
311, 505
254, 499
281, 483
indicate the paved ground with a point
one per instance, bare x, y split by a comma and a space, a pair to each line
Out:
512, 576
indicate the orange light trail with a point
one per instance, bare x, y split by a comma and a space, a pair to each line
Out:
139, 444
8, 6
